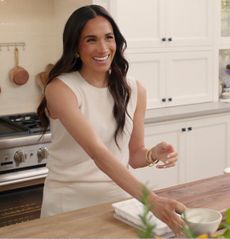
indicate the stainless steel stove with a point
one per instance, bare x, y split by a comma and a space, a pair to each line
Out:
23, 148
23, 155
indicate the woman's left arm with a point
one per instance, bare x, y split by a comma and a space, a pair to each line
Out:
163, 151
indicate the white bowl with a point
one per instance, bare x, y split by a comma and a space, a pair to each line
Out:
202, 220
227, 170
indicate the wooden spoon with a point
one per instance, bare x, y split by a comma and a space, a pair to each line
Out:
18, 74
42, 77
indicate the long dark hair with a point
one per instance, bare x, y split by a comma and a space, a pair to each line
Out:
68, 62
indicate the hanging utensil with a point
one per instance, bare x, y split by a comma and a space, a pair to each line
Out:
42, 77
18, 74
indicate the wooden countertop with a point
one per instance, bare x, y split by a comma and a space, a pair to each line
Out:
98, 221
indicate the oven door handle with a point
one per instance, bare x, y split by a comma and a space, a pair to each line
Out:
24, 176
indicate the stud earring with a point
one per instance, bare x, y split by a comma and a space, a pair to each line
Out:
77, 55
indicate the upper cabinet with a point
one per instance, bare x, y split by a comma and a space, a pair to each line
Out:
174, 78
171, 48
188, 22
165, 23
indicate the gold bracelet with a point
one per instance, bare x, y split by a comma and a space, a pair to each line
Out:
154, 159
149, 159
146, 156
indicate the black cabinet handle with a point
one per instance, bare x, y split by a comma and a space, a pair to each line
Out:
163, 39
163, 99
189, 128
170, 39
170, 99
183, 129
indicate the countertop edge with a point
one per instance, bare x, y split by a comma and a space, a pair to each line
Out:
185, 111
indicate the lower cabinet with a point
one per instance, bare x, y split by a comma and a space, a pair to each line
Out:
202, 146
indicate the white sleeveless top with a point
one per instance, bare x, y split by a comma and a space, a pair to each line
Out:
69, 165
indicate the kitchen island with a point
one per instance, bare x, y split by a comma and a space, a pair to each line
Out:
98, 221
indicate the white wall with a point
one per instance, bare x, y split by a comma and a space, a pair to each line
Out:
63, 9
40, 25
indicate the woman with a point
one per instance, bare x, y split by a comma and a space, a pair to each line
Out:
97, 122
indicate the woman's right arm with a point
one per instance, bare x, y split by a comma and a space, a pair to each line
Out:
63, 104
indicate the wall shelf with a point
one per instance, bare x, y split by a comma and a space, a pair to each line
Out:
8, 45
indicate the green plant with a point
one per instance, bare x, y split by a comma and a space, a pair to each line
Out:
188, 233
226, 225
147, 228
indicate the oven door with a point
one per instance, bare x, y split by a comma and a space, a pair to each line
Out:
20, 205
21, 195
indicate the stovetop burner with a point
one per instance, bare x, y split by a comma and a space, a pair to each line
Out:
20, 124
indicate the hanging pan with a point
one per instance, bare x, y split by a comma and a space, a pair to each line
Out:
18, 74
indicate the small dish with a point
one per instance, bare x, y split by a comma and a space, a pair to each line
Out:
202, 220
227, 170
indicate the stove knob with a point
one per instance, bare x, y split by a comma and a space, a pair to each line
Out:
19, 157
42, 153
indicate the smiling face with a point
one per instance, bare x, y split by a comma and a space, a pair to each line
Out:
97, 46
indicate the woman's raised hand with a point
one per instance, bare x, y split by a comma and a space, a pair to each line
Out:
165, 153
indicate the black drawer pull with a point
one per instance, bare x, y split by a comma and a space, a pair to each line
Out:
170, 99
6, 163
170, 39
183, 129
163, 99
189, 128
163, 39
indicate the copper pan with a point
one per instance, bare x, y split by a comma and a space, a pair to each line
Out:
18, 74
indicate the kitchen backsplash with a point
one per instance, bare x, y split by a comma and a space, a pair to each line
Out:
38, 24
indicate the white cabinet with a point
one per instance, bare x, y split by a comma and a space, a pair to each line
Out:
170, 48
150, 70
206, 151
188, 22
202, 145
174, 78
165, 23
